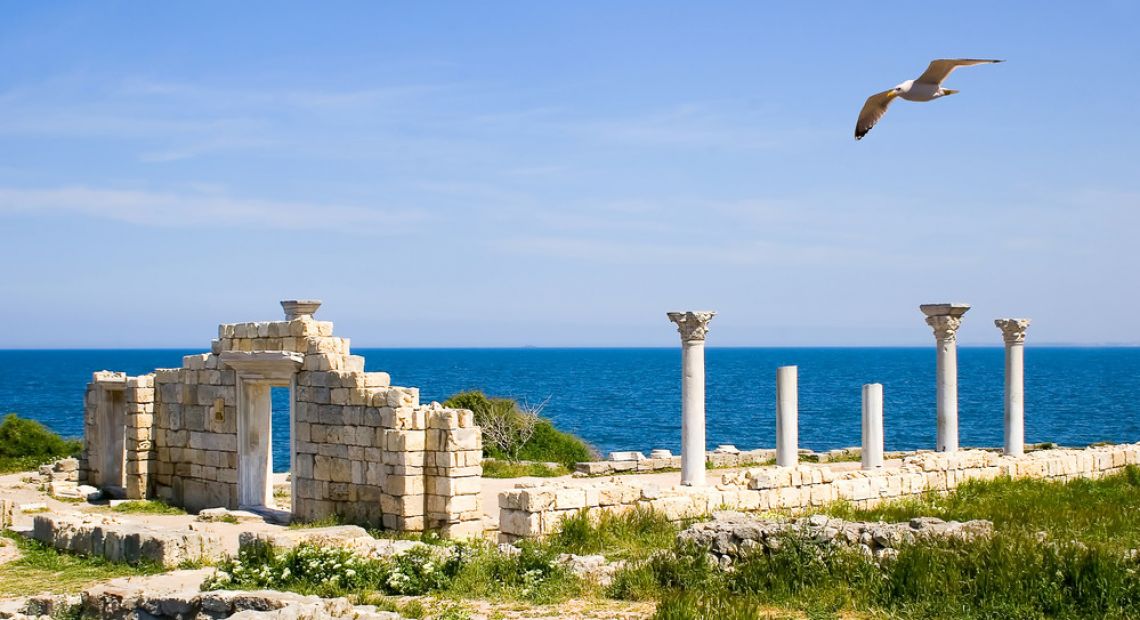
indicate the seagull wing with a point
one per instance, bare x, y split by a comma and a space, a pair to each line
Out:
872, 111
939, 69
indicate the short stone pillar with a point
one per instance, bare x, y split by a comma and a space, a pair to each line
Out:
945, 320
872, 454
693, 327
1013, 332
787, 414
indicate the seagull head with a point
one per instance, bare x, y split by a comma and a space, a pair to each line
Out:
901, 88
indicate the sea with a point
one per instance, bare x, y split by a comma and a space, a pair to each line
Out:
630, 399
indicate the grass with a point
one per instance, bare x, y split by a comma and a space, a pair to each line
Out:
43, 569
1088, 510
496, 468
632, 534
147, 507
1081, 570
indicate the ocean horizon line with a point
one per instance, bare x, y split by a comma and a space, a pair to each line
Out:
1043, 345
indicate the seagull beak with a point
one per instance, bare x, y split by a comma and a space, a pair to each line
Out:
891, 94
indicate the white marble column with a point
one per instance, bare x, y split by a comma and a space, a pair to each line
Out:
787, 416
945, 320
693, 327
1013, 332
872, 454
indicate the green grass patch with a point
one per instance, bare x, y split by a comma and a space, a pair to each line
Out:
495, 468
1081, 569
1087, 510
42, 569
632, 534
147, 507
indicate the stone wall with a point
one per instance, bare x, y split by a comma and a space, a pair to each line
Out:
362, 449
533, 510
117, 404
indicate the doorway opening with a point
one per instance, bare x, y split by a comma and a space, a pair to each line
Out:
112, 442
280, 448
265, 414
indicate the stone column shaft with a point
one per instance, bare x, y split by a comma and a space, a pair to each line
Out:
945, 319
1013, 332
787, 416
872, 453
693, 327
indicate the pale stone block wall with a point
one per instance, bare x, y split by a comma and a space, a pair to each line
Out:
135, 395
363, 449
533, 510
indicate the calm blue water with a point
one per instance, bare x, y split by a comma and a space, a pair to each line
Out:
630, 398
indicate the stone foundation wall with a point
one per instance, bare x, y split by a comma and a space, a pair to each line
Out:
530, 511
107, 537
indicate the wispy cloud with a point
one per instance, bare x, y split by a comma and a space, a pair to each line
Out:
204, 208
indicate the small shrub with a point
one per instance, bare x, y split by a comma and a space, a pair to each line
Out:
533, 575
515, 432
308, 569
418, 571
26, 444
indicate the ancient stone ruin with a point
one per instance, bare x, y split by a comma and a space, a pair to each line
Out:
361, 449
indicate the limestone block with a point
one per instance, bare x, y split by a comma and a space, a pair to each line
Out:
538, 499
404, 418
404, 485
213, 441
454, 486
404, 440
461, 530
403, 505
438, 504
569, 498
405, 397
595, 468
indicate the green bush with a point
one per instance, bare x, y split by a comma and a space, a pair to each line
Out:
510, 432
26, 444
555, 446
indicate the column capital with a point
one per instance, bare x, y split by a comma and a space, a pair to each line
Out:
945, 327
1013, 330
693, 326
945, 319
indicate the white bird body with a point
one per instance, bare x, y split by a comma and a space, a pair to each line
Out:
920, 91
927, 87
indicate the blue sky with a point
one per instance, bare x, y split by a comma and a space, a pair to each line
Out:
506, 174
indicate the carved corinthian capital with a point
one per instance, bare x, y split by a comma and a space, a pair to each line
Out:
693, 326
1012, 330
945, 327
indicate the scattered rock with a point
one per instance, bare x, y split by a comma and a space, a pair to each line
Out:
63, 489
32, 507
732, 534
591, 567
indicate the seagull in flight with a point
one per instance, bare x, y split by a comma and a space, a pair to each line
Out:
927, 87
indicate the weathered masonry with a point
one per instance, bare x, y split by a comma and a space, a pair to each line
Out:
361, 449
